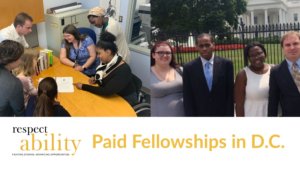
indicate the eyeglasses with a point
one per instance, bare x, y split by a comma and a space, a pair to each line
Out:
161, 53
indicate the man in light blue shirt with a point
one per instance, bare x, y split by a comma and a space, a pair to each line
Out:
284, 84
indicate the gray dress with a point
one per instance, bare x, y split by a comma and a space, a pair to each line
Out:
166, 97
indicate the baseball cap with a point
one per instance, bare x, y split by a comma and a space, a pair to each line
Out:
97, 11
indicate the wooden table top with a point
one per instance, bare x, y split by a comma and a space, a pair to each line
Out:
82, 103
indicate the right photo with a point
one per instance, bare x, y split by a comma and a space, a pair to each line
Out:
237, 58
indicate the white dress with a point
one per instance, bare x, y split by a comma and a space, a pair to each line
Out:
257, 93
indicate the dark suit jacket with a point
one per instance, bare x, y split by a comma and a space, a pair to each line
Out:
283, 90
198, 100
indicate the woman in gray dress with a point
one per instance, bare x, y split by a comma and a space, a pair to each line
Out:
166, 82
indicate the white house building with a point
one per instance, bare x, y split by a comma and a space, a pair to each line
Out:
263, 12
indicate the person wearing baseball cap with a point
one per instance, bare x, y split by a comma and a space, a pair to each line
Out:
97, 17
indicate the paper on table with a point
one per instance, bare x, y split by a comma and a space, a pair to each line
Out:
64, 84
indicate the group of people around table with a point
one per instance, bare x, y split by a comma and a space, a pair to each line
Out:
104, 64
205, 87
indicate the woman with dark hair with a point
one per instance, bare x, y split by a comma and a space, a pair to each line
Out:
78, 51
251, 90
113, 75
11, 100
46, 105
166, 82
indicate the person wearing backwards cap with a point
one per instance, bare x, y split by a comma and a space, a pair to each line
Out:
97, 17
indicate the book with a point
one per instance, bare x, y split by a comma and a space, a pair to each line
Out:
45, 60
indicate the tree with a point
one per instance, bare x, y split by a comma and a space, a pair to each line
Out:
196, 15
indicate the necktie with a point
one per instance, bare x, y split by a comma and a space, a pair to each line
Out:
208, 74
296, 75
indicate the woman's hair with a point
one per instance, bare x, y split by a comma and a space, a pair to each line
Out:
251, 45
107, 42
71, 29
47, 92
26, 65
163, 43
10, 51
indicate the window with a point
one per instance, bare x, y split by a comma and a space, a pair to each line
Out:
255, 20
295, 17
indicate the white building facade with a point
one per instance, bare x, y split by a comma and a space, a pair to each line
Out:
264, 12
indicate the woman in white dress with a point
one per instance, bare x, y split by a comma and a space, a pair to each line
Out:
251, 90
166, 82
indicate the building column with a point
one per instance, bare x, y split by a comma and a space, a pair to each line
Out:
266, 17
284, 17
252, 18
280, 16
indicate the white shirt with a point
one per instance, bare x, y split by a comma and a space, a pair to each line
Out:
1, 38
10, 33
115, 28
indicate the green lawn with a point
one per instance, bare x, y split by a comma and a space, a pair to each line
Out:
274, 56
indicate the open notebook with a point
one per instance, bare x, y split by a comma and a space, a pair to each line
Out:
64, 84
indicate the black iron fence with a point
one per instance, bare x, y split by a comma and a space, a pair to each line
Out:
231, 44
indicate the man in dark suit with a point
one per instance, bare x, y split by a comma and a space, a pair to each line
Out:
283, 88
208, 82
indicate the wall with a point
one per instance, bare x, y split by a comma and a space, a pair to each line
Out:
89, 3
140, 65
123, 12
290, 15
52, 3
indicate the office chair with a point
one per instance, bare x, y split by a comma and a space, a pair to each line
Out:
88, 31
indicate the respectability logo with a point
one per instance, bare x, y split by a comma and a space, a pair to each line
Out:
38, 140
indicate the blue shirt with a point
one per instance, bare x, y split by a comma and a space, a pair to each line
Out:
81, 55
290, 64
211, 61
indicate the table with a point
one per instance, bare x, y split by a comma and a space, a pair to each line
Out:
83, 103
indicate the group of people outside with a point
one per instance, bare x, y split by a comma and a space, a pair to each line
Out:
206, 86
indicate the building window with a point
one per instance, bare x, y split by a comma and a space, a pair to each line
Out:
255, 20
295, 17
